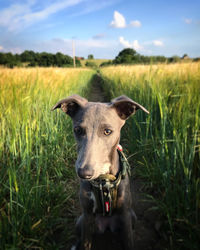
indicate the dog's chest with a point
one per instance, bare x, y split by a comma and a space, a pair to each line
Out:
104, 223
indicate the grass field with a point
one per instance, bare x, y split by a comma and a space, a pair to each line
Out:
165, 145
37, 155
98, 62
38, 185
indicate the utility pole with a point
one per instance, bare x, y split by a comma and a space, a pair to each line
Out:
73, 48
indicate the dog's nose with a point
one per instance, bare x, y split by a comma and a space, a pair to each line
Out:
85, 173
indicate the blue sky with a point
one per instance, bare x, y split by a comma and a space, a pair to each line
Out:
101, 27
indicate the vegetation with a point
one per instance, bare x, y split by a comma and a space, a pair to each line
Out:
165, 146
37, 154
98, 62
37, 151
106, 63
30, 58
90, 57
126, 56
91, 64
130, 56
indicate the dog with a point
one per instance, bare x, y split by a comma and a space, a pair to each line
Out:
103, 170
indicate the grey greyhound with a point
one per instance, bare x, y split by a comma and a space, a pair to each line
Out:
105, 195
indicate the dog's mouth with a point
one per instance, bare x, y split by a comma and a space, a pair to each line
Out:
87, 178
96, 177
88, 173
90, 177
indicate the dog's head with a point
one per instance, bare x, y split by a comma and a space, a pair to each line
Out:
97, 131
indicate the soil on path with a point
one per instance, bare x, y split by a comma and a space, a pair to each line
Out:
146, 231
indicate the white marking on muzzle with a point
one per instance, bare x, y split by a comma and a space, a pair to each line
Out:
105, 169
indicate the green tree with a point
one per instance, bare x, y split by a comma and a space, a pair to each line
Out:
28, 56
90, 56
185, 55
91, 64
127, 51
127, 56
174, 59
59, 59
9, 60
107, 63
78, 62
2, 58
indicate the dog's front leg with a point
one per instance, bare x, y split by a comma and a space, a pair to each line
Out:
127, 231
87, 230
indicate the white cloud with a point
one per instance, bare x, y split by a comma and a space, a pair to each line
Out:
1, 47
137, 46
11, 15
118, 20
19, 16
51, 9
126, 44
188, 20
93, 6
136, 24
155, 43
158, 43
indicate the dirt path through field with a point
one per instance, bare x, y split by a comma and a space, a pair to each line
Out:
146, 233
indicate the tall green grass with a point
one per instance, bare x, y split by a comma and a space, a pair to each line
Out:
165, 146
37, 181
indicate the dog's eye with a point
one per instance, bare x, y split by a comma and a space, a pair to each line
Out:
78, 131
107, 131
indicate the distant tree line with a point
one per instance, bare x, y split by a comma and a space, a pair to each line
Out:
32, 59
130, 56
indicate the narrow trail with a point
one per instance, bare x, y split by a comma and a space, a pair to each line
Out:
146, 232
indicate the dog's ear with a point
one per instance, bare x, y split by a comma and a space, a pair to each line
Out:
126, 107
71, 104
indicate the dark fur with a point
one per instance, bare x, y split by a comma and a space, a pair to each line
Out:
97, 155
